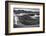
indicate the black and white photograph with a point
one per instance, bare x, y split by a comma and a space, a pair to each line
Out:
26, 17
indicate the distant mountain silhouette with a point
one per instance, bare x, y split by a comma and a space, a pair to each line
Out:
23, 11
